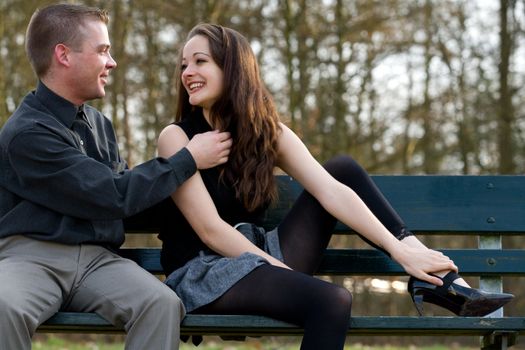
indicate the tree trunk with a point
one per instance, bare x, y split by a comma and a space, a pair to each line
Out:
506, 111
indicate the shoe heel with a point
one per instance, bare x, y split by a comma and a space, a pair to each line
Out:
418, 302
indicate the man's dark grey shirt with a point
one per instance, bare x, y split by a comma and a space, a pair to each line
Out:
62, 178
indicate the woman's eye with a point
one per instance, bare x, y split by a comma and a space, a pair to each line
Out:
183, 67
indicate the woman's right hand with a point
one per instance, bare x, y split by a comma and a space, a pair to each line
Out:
420, 262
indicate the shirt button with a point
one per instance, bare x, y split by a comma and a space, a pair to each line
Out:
82, 142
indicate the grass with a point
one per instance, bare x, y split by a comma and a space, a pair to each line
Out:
59, 343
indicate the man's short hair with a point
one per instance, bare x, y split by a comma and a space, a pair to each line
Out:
57, 24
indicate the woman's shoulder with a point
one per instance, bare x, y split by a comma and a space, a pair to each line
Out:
192, 124
171, 139
171, 129
286, 134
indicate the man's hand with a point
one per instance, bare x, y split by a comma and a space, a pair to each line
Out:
210, 149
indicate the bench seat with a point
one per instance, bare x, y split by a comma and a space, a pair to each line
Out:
488, 208
258, 325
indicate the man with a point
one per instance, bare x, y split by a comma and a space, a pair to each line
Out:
64, 191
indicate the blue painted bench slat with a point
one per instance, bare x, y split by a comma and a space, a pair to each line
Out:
260, 325
373, 262
441, 203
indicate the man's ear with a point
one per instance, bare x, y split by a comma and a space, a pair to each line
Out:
61, 55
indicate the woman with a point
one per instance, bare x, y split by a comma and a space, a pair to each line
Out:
219, 261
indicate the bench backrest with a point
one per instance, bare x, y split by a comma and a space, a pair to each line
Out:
486, 206
440, 203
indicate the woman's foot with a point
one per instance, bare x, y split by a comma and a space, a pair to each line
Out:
457, 298
459, 280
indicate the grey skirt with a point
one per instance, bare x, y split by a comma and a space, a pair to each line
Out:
208, 276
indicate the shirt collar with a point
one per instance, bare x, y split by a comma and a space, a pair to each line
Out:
62, 109
81, 113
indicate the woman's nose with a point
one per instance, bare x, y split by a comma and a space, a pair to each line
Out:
188, 71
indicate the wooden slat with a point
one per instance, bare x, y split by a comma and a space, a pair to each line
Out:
231, 325
433, 203
458, 203
440, 203
487, 262
372, 262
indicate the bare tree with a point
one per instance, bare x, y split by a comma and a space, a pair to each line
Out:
506, 110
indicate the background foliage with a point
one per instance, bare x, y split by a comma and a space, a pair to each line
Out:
404, 86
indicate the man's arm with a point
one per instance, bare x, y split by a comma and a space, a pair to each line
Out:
50, 172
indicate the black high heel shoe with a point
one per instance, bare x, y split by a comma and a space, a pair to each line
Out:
462, 301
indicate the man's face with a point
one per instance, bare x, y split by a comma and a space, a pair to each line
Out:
91, 62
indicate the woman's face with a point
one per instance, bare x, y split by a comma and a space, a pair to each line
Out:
201, 76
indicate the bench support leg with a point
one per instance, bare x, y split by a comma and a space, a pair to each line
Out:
491, 284
498, 341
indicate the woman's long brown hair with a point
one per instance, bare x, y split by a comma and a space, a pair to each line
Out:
246, 110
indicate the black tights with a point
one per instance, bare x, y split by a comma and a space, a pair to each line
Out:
294, 296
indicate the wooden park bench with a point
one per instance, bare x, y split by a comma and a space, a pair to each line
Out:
487, 207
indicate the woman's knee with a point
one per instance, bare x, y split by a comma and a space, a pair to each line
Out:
342, 300
345, 168
335, 304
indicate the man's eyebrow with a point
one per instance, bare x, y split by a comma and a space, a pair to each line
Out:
103, 46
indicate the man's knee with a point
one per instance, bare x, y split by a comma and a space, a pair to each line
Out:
169, 298
157, 323
8, 306
166, 304
15, 317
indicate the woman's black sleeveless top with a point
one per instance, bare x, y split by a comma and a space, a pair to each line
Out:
180, 243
